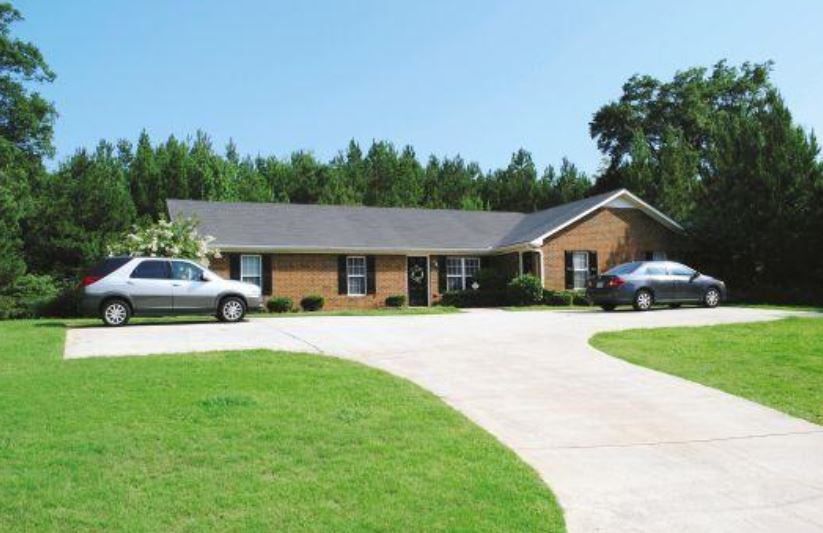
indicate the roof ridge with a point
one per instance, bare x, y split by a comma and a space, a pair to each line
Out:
345, 206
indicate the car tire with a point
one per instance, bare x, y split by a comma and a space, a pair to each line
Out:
608, 307
643, 300
115, 312
231, 309
711, 298
675, 306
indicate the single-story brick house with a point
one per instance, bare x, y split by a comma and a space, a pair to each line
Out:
357, 256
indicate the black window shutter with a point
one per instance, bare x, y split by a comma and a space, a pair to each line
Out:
234, 266
267, 274
371, 286
342, 286
441, 279
569, 271
592, 263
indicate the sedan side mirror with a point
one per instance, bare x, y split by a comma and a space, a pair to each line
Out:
694, 276
205, 277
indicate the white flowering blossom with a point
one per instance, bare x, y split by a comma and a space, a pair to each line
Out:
177, 238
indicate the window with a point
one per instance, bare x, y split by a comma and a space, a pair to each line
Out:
251, 269
625, 269
356, 275
152, 269
580, 268
186, 271
655, 270
460, 271
676, 269
658, 256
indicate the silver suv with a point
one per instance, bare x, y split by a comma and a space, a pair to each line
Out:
120, 287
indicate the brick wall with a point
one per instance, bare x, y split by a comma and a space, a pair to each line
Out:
298, 275
617, 235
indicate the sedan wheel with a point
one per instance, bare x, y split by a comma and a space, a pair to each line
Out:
232, 310
115, 313
643, 300
711, 298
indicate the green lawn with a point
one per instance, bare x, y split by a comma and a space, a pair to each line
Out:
779, 364
242, 441
783, 307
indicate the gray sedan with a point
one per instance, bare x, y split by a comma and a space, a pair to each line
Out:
645, 283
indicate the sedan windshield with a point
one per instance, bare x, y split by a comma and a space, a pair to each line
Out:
625, 268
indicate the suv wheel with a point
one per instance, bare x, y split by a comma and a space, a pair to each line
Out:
115, 313
711, 298
232, 309
643, 300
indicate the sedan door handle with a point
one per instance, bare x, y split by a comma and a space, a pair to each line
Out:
175, 284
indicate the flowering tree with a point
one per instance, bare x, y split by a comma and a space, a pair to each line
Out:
178, 238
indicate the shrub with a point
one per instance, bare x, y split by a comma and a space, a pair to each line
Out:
28, 296
525, 289
280, 304
312, 302
64, 305
580, 298
178, 238
479, 298
558, 297
398, 300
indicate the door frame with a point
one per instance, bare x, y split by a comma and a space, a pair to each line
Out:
428, 279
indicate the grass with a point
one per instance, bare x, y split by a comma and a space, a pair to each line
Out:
809, 308
778, 364
250, 440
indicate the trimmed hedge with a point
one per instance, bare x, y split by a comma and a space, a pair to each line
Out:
312, 302
280, 304
525, 289
472, 298
397, 300
561, 298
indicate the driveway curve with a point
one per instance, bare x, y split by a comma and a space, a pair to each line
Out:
624, 448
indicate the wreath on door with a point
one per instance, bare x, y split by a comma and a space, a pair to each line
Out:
417, 274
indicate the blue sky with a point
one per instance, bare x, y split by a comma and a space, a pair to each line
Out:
471, 77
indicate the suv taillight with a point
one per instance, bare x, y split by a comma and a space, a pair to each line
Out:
88, 280
615, 282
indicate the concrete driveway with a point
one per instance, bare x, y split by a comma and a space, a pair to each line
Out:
624, 448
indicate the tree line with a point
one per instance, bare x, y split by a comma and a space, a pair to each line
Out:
716, 148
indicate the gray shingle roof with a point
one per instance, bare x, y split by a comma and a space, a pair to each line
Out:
239, 225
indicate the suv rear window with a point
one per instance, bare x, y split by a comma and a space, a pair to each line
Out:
152, 269
103, 269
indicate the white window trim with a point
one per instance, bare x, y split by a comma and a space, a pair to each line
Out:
576, 270
462, 276
260, 276
349, 276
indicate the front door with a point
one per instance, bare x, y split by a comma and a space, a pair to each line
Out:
418, 280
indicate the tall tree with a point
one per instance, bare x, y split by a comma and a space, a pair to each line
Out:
758, 211
79, 209
661, 132
26, 122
